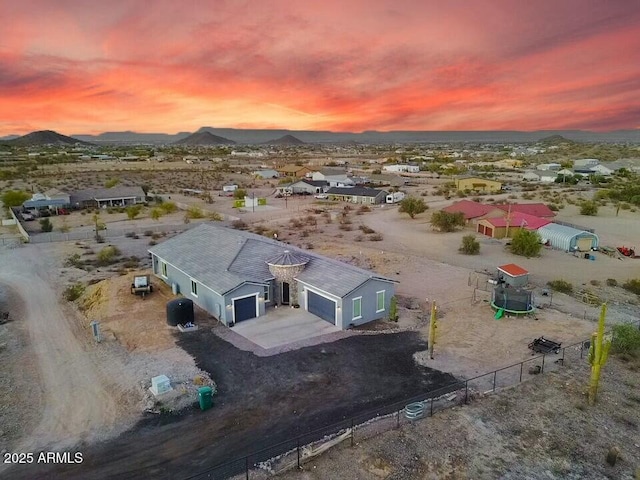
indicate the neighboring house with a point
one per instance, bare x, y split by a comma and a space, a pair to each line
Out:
293, 171
531, 176
107, 197
266, 174
474, 211
310, 187
357, 195
549, 166
334, 178
402, 168
477, 184
585, 164
534, 209
546, 176
502, 227
51, 200
381, 179
236, 275
631, 164
602, 170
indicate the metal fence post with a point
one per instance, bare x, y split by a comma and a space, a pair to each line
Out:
352, 431
246, 467
298, 452
398, 419
495, 373
466, 391
542, 370
521, 366
581, 349
563, 356
431, 413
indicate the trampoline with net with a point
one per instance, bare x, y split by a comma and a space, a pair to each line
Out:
517, 301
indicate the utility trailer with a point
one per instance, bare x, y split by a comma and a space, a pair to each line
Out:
141, 285
543, 345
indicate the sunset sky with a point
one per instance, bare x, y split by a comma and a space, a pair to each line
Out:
167, 66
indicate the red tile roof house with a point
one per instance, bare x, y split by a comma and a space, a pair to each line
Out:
474, 211
497, 227
535, 209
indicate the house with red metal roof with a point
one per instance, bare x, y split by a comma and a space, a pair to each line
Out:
501, 227
474, 211
535, 209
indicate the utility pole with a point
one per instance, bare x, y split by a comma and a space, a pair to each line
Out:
432, 329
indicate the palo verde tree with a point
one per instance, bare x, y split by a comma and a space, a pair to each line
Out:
526, 243
133, 211
412, 206
589, 208
447, 221
14, 198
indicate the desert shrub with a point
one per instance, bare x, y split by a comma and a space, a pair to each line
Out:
73, 261
632, 285
168, 207
412, 206
376, 237
561, 286
624, 206
215, 216
589, 208
130, 234
358, 238
345, 226
626, 339
111, 183
525, 243
446, 221
239, 225
152, 242
195, 213
364, 209
595, 283
612, 282
553, 207
73, 292
148, 233
133, 211
366, 230
46, 225
107, 255
304, 233
470, 245
239, 194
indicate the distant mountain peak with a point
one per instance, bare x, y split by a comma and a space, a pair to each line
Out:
203, 137
555, 140
285, 140
45, 137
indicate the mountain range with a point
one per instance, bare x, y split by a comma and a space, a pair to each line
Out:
230, 136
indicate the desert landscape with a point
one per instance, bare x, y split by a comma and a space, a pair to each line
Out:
64, 390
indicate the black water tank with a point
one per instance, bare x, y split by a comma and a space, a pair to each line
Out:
180, 311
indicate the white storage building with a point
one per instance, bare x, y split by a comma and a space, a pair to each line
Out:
562, 237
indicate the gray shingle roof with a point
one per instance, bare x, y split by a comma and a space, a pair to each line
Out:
114, 193
357, 191
222, 259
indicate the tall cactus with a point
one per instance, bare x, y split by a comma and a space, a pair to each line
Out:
598, 354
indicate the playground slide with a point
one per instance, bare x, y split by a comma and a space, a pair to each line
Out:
499, 314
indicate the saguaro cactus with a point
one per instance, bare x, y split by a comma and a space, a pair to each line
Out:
598, 354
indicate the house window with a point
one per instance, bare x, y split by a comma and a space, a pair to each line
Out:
194, 288
164, 269
266, 294
380, 301
357, 308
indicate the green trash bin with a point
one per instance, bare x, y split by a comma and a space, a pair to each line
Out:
205, 397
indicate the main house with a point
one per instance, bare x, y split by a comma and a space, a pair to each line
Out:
107, 197
236, 275
363, 195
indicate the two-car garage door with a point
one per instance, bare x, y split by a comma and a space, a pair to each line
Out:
323, 307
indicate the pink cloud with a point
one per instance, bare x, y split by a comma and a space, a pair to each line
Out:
355, 65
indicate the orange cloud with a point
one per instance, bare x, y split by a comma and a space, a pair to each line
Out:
429, 65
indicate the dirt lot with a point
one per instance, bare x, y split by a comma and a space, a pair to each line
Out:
542, 429
262, 400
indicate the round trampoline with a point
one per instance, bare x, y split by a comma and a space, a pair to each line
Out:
516, 301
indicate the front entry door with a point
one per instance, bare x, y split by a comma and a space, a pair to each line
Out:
285, 293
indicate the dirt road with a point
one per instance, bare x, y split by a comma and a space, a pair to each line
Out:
77, 403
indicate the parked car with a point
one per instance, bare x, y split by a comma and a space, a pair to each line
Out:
26, 216
63, 211
321, 196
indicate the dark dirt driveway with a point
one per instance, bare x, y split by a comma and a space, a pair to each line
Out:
262, 401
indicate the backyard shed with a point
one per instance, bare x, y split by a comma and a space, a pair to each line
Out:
513, 275
569, 239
